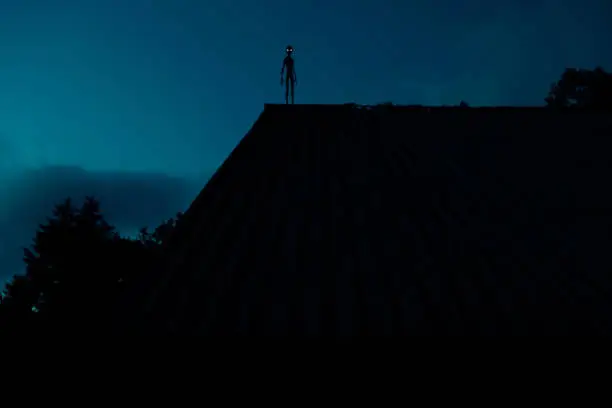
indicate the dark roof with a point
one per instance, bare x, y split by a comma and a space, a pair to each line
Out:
340, 219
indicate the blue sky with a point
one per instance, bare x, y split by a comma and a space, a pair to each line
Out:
173, 85
170, 86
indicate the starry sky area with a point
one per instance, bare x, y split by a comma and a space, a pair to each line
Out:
169, 87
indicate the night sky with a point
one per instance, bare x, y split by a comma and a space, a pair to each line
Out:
168, 87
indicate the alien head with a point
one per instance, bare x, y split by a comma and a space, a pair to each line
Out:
289, 50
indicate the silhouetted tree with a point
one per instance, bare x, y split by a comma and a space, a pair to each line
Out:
17, 310
79, 272
70, 264
161, 233
582, 88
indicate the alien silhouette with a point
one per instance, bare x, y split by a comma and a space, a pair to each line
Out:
291, 78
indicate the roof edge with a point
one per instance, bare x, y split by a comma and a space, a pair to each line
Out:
282, 106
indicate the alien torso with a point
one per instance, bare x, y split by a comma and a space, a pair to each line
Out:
289, 63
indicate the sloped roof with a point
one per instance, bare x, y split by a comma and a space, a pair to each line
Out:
344, 220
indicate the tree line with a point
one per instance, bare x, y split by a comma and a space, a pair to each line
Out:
80, 273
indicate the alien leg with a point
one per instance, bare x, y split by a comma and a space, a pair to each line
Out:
287, 90
292, 91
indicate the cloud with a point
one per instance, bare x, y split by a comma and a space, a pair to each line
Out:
128, 200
